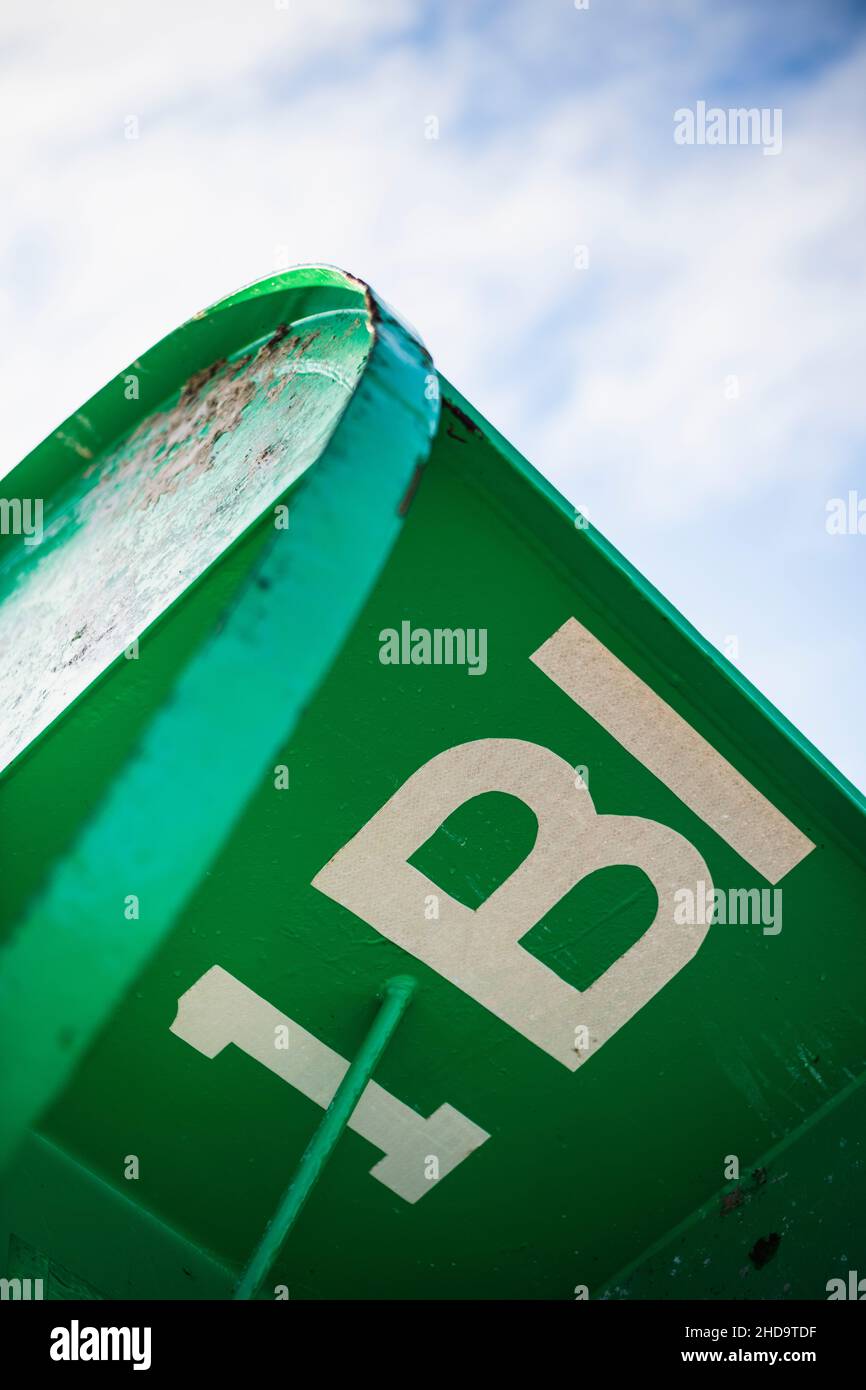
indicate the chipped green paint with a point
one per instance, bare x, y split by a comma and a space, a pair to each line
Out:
158, 780
143, 522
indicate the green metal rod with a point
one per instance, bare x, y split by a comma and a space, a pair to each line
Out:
395, 999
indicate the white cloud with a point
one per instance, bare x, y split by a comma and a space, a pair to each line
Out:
303, 129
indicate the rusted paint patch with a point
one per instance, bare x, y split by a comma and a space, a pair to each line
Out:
461, 415
140, 523
732, 1200
744, 1192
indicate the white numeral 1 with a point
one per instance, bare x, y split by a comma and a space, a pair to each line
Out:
218, 1010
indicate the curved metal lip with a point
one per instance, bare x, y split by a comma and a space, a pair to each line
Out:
315, 273
223, 327
135, 527
245, 318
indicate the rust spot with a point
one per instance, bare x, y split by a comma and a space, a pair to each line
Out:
281, 383
200, 379
372, 307
732, 1200
279, 333
764, 1249
179, 442
296, 344
461, 415
406, 500
306, 343
225, 403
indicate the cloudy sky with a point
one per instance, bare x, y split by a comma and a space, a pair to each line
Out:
672, 333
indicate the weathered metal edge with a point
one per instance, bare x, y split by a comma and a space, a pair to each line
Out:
643, 589
71, 957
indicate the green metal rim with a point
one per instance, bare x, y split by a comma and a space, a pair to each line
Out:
204, 753
217, 331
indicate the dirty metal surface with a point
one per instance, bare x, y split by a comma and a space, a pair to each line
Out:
137, 526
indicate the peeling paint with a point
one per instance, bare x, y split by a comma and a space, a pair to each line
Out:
141, 522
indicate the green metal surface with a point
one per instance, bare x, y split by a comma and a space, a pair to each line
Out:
160, 781
395, 1000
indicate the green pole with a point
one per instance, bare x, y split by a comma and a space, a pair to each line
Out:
395, 999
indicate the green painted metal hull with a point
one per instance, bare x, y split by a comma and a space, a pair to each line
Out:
160, 782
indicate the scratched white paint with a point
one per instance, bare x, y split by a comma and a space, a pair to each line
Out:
480, 951
662, 740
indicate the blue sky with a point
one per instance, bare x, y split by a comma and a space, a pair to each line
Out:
696, 387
